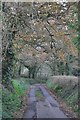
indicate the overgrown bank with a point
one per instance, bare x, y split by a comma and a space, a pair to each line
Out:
67, 91
14, 101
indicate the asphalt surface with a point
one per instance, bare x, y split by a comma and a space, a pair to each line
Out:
47, 108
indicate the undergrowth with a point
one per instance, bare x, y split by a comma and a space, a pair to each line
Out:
35, 81
12, 101
68, 93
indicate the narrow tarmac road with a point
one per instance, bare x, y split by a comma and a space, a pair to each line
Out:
46, 108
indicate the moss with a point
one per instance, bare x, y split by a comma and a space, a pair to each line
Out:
39, 95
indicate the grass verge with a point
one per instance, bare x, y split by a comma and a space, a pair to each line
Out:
13, 102
69, 94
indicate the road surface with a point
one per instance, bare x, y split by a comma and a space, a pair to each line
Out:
46, 108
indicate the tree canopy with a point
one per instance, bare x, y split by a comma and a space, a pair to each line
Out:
37, 33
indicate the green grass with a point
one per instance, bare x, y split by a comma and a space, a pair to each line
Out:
20, 86
54, 87
39, 95
12, 101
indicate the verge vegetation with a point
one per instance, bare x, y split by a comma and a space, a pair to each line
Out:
13, 101
66, 90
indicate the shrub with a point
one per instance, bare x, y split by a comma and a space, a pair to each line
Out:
20, 86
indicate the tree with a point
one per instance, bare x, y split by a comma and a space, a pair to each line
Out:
41, 28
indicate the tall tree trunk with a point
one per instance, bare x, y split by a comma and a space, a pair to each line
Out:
30, 72
7, 65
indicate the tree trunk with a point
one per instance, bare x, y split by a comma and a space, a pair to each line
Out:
7, 65
19, 70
